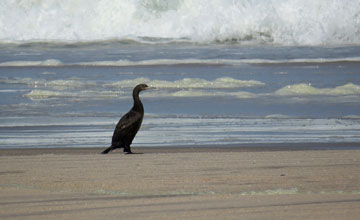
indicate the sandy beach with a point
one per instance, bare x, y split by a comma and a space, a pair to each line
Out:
255, 115
180, 184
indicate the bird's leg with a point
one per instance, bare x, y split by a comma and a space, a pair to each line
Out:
127, 149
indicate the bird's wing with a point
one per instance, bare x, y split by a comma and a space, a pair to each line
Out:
128, 120
127, 128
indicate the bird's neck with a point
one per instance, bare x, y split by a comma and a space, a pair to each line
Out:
138, 106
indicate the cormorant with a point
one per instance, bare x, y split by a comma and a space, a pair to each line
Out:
129, 124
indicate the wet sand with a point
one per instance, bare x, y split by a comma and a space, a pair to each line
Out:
181, 183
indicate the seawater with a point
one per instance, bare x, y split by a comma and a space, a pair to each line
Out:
287, 22
226, 72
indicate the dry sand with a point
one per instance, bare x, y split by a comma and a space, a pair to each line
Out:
180, 184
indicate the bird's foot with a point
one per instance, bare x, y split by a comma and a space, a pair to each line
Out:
105, 152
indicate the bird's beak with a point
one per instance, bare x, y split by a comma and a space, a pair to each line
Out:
151, 87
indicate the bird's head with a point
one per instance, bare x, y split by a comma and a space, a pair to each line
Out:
142, 87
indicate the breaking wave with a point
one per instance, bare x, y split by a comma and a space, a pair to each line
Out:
307, 89
284, 22
192, 83
187, 87
169, 62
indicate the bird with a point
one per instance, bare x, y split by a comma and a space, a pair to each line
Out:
129, 124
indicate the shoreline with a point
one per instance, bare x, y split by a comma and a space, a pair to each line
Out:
187, 149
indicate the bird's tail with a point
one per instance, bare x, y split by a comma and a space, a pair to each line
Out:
107, 150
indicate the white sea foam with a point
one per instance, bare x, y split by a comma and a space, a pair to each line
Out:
186, 87
169, 62
300, 61
26, 81
188, 83
48, 73
153, 62
286, 22
192, 93
49, 62
39, 94
202, 93
69, 83
241, 95
72, 83
352, 117
44, 94
277, 116
307, 89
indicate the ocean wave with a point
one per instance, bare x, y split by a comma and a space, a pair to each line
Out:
170, 62
72, 83
40, 94
186, 87
191, 83
301, 61
45, 94
307, 89
304, 91
278, 116
352, 117
284, 22
159, 62
49, 62
185, 83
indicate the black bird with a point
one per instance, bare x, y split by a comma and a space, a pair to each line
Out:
129, 124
